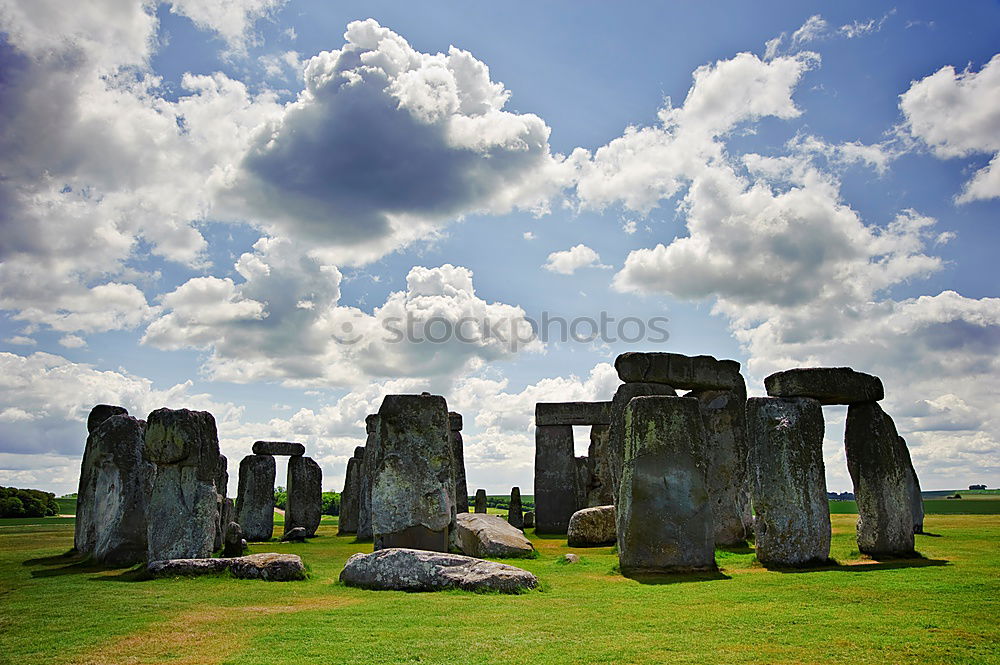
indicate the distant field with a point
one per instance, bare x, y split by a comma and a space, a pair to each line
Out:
931, 507
67, 506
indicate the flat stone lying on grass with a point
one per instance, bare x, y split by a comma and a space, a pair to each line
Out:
278, 448
481, 535
592, 527
571, 558
829, 385
402, 569
679, 371
295, 535
270, 567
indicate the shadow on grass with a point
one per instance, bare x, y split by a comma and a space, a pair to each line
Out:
71, 563
743, 548
678, 578
928, 534
915, 561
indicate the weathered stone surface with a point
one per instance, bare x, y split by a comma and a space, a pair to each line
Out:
295, 535
416, 570
913, 489
572, 413
413, 488
788, 480
724, 414
529, 519
480, 501
600, 492
489, 536
664, 475
102, 412
270, 567
221, 487
882, 486
515, 515
679, 371
555, 478
305, 495
289, 448
569, 557
458, 454
367, 474
350, 498
255, 497
183, 505
829, 385
234, 541
616, 435
590, 527
115, 485
584, 481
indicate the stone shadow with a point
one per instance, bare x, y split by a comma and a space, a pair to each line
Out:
916, 561
677, 578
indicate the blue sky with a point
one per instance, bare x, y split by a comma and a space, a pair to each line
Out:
196, 199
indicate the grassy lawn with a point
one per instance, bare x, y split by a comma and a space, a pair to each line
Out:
941, 609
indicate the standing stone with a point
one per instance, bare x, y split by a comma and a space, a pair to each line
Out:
367, 474
514, 515
916, 498
350, 498
600, 491
480, 501
529, 519
788, 480
555, 478
116, 496
305, 495
255, 497
724, 414
413, 489
83, 536
664, 516
221, 487
229, 512
102, 412
882, 485
584, 481
183, 507
616, 439
458, 453
234, 541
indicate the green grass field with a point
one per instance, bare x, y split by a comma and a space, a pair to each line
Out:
939, 609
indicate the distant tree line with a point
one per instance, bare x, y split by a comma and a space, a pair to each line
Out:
16, 502
331, 501
503, 502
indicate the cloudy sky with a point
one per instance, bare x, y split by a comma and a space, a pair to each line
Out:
281, 211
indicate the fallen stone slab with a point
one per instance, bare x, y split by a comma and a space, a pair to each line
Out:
828, 385
295, 535
270, 567
278, 448
402, 569
572, 413
490, 536
679, 371
591, 527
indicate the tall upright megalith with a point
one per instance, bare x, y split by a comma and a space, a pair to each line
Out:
601, 489
664, 516
84, 535
458, 453
305, 495
367, 475
413, 487
515, 514
119, 484
480, 506
916, 498
221, 489
788, 480
255, 497
555, 478
882, 481
616, 432
350, 498
183, 506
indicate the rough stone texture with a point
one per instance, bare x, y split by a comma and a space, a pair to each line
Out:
916, 498
102, 412
183, 506
569, 557
115, 485
724, 414
228, 511
233, 541
584, 481
555, 478
489, 536
616, 435
255, 497
480, 501
305, 495
829, 385
295, 535
664, 513
788, 480
572, 413
458, 454
529, 519
413, 488
592, 526
415, 570
278, 448
350, 498
367, 474
882, 485
600, 492
270, 567
515, 515
221, 487
679, 371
